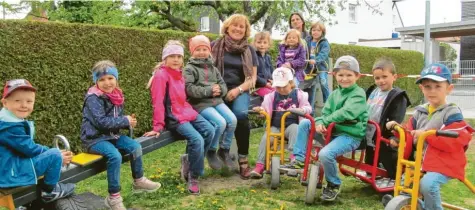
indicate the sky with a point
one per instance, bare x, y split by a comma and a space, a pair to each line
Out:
412, 11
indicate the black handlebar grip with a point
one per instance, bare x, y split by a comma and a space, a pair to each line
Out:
451, 134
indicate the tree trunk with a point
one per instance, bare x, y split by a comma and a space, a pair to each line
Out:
269, 23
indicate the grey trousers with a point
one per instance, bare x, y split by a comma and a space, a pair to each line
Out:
290, 134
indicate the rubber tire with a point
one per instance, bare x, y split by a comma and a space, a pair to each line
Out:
400, 201
311, 190
275, 173
72, 202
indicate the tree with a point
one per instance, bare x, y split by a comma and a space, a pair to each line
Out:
448, 52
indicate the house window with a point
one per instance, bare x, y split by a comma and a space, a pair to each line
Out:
204, 26
352, 13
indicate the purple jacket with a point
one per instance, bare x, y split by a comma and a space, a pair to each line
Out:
297, 62
268, 102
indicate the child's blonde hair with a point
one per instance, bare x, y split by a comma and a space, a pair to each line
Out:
321, 26
162, 63
265, 35
291, 31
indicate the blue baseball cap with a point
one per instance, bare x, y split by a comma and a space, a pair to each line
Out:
437, 72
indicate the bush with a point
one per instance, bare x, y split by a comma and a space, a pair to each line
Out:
57, 59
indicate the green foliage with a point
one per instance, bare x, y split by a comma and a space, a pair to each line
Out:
57, 59
448, 53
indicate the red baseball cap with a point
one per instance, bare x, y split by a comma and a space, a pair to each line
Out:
16, 84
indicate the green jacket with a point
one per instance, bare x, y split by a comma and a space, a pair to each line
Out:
347, 107
200, 76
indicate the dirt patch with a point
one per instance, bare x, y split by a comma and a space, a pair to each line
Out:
215, 183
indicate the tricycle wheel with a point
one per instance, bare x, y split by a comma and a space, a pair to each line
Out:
401, 202
275, 173
312, 184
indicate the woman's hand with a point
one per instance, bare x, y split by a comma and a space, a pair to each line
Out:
320, 128
67, 157
152, 133
232, 94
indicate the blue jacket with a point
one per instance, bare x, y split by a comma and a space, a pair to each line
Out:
264, 69
17, 149
321, 54
101, 120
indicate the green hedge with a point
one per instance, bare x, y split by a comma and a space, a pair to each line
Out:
57, 59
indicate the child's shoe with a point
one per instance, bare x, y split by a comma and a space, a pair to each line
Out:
223, 154
61, 190
244, 169
185, 167
193, 185
257, 172
330, 192
295, 164
115, 203
145, 185
213, 160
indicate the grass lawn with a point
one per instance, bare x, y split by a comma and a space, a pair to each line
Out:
221, 190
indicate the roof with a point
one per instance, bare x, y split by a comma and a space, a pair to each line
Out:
451, 29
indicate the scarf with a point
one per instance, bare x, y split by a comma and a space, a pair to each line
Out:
227, 44
116, 97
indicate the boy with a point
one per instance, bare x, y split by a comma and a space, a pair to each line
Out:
22, 161
444, 157
386, 103
345, 106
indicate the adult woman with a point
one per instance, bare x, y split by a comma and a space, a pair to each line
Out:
296, 21
237, 62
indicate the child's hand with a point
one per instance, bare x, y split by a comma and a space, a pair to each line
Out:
216, 90
416, 134
312, 62
67, 157
152, 133
269, 85
257, 109
391, 124
393, 143
287, 64
132, 121
320, 128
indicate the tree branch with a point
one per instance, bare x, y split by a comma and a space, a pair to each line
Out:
260, 13
375, 8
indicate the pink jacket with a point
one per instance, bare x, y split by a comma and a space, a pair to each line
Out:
268, 102
170, 108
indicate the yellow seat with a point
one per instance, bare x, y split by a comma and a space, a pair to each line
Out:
84, 159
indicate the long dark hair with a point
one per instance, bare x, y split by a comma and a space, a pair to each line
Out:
301, 18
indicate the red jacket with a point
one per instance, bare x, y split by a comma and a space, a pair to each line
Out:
168, 93
446, 155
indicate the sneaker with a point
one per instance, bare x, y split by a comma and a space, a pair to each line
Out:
295, 164
61, 190
223, 154
193, 185
256, 173
145, 185
330, 192
185, 167
244, 169
213, 161
115, 203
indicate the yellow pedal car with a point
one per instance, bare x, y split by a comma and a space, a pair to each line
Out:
413, 174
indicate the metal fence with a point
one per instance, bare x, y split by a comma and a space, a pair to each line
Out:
464, 91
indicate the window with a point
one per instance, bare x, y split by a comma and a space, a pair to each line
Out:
204, 24
352, 13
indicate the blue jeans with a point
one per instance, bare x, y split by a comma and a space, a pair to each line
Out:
323, 76
300, 146
327, 156
110, 150
240, 107
430, 189
224, 122
49, 164
199, 134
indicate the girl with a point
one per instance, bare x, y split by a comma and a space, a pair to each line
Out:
319, 52
102, 119
262, 42
285, 97
205, 88
171, 109
292, 54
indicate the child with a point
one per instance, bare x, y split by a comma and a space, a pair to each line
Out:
292, 54
319, 52
205, 88
21, 159
386, 103
100, 132
286, 97
171, 109
444, 157
347, 107
262, 42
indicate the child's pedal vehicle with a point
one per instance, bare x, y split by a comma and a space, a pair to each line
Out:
406, 194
